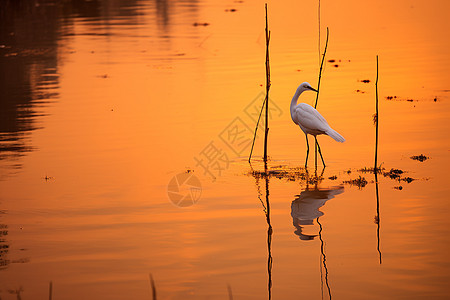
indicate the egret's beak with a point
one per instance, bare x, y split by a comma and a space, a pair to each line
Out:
313, 89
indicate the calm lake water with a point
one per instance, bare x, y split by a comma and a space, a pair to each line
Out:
125, 128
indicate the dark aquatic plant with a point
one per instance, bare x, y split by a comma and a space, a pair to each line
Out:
420, 157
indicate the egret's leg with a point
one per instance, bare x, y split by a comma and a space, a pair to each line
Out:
307, 151
320, 152
315, 154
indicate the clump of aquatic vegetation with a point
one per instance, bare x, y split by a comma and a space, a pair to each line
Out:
420, 157
281, 172
372, 170
360, 182
287, 173
396, 174
393, 173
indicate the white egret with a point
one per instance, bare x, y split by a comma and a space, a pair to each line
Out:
310, 120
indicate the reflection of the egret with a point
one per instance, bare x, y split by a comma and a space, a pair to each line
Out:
305, 208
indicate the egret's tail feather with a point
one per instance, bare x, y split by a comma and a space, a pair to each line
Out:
335, 135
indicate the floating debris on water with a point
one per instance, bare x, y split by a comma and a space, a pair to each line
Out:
200, 24
334, 177
281, 172
420, 157
396, 171
335, 61
287, 173
47, 178
231, 10
360, 182
400, 99
408, 179
359, 91
371, 170
393, 173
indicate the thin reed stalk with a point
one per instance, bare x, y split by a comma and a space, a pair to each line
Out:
266, 100
324, 257
267, 89
376, 118
321, 67
319, 29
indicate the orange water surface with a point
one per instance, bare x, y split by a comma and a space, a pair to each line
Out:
125, 128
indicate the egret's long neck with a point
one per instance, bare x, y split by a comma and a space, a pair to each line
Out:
295, 98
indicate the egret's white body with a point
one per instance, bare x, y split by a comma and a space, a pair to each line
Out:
310, 120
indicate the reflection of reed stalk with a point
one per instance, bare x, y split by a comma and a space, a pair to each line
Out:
324, 258
377, 219
267, 90
266, 207
376, 118
269, 241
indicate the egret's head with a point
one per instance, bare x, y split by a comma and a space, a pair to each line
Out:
306, 86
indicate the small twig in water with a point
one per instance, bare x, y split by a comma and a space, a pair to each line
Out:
230, 293
50, 290
152, 285
256, 129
